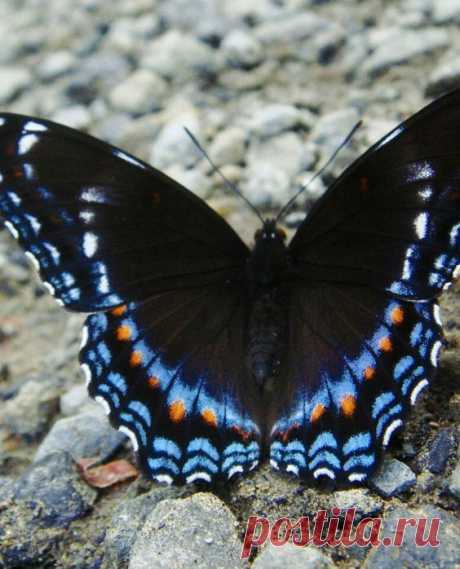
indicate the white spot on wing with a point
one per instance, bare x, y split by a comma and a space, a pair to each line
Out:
417, 389
33, 260
26, 142
14, 198
86, 216
92, 195
131, 436
293, 468
90, 244
324, 472
87, 373
357, 477
32, 126
198, 476
49, 288
434, 356
34, 223
274, 464
163, 479
390, 430
128, 158
2, 122
426, 194
421, 225
84, 337
437, 314
11, 229
104, 404
234, 470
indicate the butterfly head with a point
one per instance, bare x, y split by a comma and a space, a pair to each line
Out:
269, 256
270, 233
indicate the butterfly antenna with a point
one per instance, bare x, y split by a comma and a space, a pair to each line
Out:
346, 140
224, 178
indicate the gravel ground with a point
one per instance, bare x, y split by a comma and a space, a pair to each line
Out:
271, 87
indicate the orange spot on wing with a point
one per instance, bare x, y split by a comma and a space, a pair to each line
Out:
119, 310
153, 382
397, 315
369, 373
135, 359
177, 411
241, 432
17, 173
317, 413
348, 405
364, 184
123, 332
385, 344
209, 417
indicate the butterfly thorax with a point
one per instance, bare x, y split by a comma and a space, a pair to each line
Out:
268, 319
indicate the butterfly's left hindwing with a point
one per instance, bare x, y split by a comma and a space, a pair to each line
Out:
357, 363
170, 372
101, 226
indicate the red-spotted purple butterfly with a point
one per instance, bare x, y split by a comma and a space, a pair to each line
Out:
204, 352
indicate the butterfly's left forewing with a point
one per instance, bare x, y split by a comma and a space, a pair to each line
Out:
101, 226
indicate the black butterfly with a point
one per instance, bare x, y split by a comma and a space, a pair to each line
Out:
203, 351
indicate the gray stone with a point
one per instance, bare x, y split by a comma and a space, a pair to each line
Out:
179, 56
75, 399
291, 556
229, 146
454, 481
7, 484
56, 486
83, 436
198, 532
30, 412
366, 504
192, 179
402, 46
143, 91
56, 64
275, 118
103, 69
242, 49
174, 146
446, 76
331, 128
393, 479
76, 116
441, 449
272, 165
12, 81
409, 554
127, 34
446, 11
296, 27
205, 19
127, 519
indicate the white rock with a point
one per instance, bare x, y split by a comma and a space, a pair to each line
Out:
291, 28
242, 49
174, 146
13, 80
275, 118
76, 116
229, 146
141, 92
446, 11
178, 56
56, 64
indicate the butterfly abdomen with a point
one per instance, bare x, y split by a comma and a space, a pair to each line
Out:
267, 333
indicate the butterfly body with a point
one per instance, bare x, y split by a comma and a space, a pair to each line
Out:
204, 352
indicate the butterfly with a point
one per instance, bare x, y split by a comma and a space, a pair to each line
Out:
209, 355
